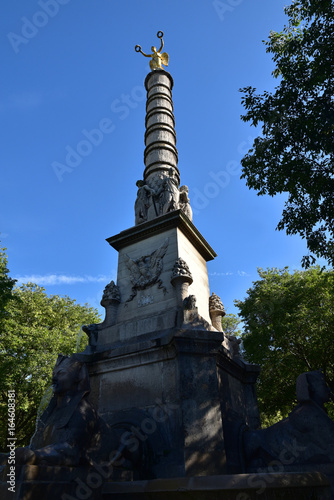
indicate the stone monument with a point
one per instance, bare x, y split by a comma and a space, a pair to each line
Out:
161, 344
172, 404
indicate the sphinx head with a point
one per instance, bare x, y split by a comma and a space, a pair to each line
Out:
311, 386
70, 375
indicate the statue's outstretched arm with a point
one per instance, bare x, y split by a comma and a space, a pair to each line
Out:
160, 35
138, 49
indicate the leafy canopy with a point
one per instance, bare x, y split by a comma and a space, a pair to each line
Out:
6, 284
231, 325
295, 153
37, 327
288, 329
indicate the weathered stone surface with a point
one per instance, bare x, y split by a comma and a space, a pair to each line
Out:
198, 268
96, 483
156, 305
229, 487
54, 483
177, 368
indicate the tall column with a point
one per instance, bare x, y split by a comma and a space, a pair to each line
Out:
159, 192
160, 138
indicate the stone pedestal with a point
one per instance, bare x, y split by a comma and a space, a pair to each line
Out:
167, 388
98, 483
54, 483
147, 255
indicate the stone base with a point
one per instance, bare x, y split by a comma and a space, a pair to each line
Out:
71, 483
327, 469
174, 390
308, 486
38, 482
148, 306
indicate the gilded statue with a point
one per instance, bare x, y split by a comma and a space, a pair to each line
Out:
158, 58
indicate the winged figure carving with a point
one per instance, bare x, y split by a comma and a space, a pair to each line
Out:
145, 271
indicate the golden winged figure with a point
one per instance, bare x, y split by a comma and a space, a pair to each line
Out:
158, 58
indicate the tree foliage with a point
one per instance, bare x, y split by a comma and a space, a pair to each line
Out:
230, 324
6, 284
289, 329
295, 153
37, 327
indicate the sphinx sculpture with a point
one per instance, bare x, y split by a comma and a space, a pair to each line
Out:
70, 432
305, 437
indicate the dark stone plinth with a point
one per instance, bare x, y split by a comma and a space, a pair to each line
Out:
70, 483
38, 482
327, 469
168, 388
308, 486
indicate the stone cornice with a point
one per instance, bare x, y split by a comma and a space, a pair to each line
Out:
175, 219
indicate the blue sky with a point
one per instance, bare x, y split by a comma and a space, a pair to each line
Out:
69, 67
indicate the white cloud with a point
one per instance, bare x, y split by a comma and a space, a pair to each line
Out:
61, 279
220, 274
228, 273
243, 273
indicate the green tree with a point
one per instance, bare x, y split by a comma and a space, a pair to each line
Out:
295, 154
289, 329
230, 324
36, 329
6, 284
